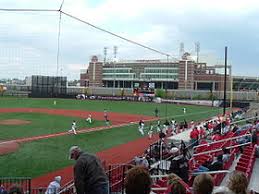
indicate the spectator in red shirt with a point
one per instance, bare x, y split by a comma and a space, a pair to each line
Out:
194, 135
210, 126
202, 132
216, 137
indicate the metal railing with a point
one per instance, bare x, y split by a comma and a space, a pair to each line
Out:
24, 183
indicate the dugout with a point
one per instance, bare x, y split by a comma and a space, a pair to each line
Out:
48, 86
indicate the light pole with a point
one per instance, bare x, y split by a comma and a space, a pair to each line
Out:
114, 73
166, 85
225, 81
113, 88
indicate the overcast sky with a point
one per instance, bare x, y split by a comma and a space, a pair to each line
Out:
28, 41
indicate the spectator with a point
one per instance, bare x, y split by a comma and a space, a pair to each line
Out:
89, 175
2, 190
54, 186
141, 161
226, 155
216, 137
243, 139
254, 137
234, 128
257, 126
138, 181
15, 189
185, 124
203, 184
176, 187
210, 126
179, 166
191, 124
183, 148
162, 134
238, 183
216, 164
202, 133
194, 135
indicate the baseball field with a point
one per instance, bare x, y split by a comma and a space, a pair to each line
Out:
34, 138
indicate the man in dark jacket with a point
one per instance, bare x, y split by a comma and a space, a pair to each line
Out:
89, 175
179, 166
216, 164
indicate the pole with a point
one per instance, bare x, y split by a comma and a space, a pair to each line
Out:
113, 87
231, 88
114, 72
211, 94
166, 85
225, 81
185, 75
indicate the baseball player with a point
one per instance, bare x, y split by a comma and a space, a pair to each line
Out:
150, 132
73, 127
89, 119
184, 110
156, 112
173, 126
164, 129
158, 126
105, 114
141, 127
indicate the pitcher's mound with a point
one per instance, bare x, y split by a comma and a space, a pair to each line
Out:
14, 122
8, 147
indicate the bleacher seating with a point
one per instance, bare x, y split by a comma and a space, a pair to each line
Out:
163, 183
201, 159
246, 161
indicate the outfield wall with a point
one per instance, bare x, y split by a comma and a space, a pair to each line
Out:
178, 94
23, 90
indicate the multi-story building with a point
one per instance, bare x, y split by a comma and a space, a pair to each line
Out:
182, 74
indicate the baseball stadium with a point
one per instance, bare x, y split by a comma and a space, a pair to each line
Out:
75, 118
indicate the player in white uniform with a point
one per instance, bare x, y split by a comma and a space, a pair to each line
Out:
164, 129
150, 132
73, 127
141, 127
89, 119
173, 122
158, 126
184, 110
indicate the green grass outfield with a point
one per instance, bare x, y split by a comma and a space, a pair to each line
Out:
41, 124
43, 156
98, 105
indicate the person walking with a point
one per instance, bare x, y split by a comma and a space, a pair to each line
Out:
54, 186
89, 175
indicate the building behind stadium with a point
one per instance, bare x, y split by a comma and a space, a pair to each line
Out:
164, 74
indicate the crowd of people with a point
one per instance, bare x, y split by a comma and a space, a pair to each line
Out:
139, 181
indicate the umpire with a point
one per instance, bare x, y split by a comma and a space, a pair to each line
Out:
89, 175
